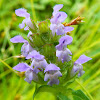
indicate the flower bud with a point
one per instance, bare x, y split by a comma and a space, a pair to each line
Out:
43, 27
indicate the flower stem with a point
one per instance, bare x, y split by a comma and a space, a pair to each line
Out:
7, 65
33, 10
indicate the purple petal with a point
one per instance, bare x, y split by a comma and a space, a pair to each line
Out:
59, 46
29, 34
56, 8
28, 22
53, 28
32, 54
46, 77
58, 18
30, 75
18, 39
51, 67
63, 55
22, 13
38, 65
39, 57
54, 20
58, 74
64, 41
22, 25
26, 49
26, 28
68, 29
62, 16
36, 70
36, 55
81, 73
27, 80
60, 29
21, 67
53, 81
82, 59
68, 39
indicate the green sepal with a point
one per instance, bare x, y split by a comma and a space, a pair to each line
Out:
48, 50
37, 41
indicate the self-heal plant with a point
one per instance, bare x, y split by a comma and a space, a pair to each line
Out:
50, 65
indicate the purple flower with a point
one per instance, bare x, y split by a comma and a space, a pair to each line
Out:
58, 18
29, 72
21, 12
56, 8
39, 65
58, 29
26, 47
36, 55
82, 59
27, 21
64, 55
63, 42
78, 65
62, 52
38, 61
52, 73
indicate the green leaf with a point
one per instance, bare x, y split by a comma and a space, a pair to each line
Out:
62, 97
56, 90
44, 88
79, 95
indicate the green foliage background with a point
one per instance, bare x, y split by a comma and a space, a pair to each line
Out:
86, 40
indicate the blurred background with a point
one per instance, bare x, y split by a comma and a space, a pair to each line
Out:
86, 40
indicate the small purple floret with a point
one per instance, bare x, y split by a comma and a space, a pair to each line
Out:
34, 54
26, 47
21, 67
56, 8
78, 67
27, 21
58, 18
29, 72
82, 59
51, 67
52, 73
64, 55
21, 12
63, 42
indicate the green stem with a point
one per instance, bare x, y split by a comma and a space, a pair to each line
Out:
7, 65
5, 73
33, 10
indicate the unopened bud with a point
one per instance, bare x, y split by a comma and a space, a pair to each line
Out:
43, 27
76, 21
